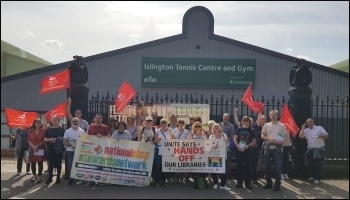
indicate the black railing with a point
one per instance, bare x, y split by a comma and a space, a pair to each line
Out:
332, 114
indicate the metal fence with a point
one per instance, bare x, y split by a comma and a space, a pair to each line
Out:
330, 113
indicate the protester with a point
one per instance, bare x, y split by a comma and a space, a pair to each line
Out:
244, 141
37, 148
69, 139
21, 148
132, 128
218, 134
316, 151
271, 134
121, 133
55, 148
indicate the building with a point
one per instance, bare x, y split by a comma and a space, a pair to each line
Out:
196, 63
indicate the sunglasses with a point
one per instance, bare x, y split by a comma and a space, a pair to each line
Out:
163, 122
149, 121
198, 126
180, 122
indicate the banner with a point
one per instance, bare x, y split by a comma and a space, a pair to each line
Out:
60, 111
202, 156
125, 94
247, 98
287, 119
108, 160
55, 82
16, 118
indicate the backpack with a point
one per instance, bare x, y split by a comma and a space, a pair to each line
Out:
200, 183
143, 129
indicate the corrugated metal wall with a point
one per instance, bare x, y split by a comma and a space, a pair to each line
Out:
106, 74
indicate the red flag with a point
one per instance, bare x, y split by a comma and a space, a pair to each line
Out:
247, 98
287, 119
16, 118
60, 111
125, 94
55, 82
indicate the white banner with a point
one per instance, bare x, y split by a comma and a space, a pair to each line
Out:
107, 160
201, 156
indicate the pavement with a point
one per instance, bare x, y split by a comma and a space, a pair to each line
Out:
20, 187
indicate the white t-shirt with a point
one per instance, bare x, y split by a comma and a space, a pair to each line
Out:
163, 135
72, 136
272, 130
312, 137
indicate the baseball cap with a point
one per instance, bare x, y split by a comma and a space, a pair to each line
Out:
149, 118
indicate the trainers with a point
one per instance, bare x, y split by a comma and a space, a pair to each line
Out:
317, 182
282, 176
249, 187
311, 179
286, 176
267, 186
28, 173
18, 173
225, 188
48, 181
58, 180
276, 188
215, 187
256, 182
88, 184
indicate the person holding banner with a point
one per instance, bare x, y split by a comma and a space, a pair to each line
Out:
180, 133
218, 134
112, 125
161, 134
52, 135
69, 140
121, 133
37, 148
22, 147
273, 134
244, 141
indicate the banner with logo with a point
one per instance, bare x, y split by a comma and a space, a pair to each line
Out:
17, 118
125, 94
60, 111
201, 156
108, 160
55, 82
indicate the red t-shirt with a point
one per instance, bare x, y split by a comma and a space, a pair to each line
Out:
101, 129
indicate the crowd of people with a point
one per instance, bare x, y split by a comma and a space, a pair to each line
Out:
248, 141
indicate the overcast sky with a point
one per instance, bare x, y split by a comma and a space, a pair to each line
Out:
55, 31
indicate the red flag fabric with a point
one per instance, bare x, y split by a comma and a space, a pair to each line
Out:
17, 118
125, 94
247, 98
287, 119
60, 111
55, 82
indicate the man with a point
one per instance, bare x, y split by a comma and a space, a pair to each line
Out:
273, 136
229, 129
69, 140
154, 118
315, 136
99, 130
189, 126
78, 113
260, 122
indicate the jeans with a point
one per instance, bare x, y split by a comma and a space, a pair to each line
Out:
20, 161
69, 156
286, 155
277, 157
316, 165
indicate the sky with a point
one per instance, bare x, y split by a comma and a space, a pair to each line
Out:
56, 31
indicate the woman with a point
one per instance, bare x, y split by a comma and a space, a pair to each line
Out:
197, 133
21, 147
244, 141
37, 147
173, 120
121, 133
53, 135
218, 134
112, 125
132, 128
180, 133
209, 132
164, 132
